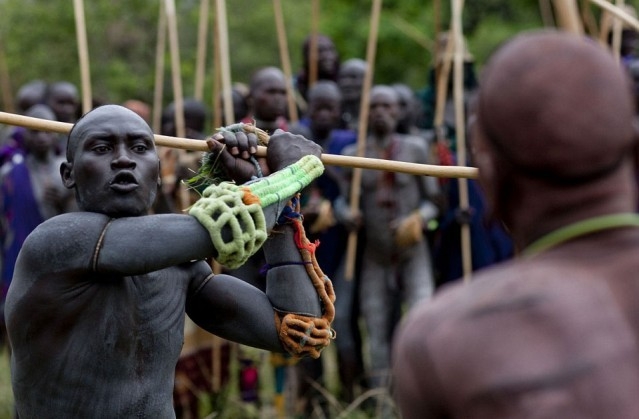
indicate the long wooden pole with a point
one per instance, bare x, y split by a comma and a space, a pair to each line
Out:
460, 131
83, 55
216, 342
285, 60
313, 46
546, 13
414, 33
618, 12
356, 181
590, 23
225, 60
5, 81
200, 59
176, 73
217, 77
568, 16
178, 94
160, 49
617, 26
437, 6
443, 76
328, 159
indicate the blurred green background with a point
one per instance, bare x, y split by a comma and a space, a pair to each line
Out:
39, 39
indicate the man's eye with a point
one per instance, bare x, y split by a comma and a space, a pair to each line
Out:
101, 149
140, 148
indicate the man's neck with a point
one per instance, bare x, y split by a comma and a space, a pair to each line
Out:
269, 126
382, 139
320, 136
537, 214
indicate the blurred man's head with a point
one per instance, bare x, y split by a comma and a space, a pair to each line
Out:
384, 110
324, 106
267, 97
555, 109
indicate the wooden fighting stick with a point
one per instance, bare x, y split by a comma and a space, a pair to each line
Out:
83, 55
460, 132
285, 60
327, 159
351, 248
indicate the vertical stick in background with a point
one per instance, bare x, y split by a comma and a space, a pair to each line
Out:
460, 130
617, 26
443, 75
356, 182
436, 36
178, 95
176, 74
605, 27
567, 14
217, 77
167, 156
606, 19
83, 55
160, 50
285, 60
200, 59
590, 23
437, 7
546, 13
5, 81
225, 60
221, 65
313, 46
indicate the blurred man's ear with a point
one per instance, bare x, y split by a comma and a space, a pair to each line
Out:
66, 172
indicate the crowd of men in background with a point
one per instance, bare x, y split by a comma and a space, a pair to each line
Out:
407, 226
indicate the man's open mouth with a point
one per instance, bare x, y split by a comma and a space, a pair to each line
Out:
124, 182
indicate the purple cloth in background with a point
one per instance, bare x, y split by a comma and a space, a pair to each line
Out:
21, 214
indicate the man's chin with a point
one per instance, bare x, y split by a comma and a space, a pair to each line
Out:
118, 211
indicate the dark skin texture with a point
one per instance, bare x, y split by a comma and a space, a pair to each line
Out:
31, 94
96, 314
41, 146
267, 97
553, 334
327, 64
62, 97
351, 79
324, 109
327, 57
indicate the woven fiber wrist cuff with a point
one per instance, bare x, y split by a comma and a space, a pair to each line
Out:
239, 209
222, 206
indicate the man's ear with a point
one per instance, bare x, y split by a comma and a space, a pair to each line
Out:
66, 172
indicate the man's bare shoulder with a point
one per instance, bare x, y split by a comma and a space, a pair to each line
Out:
64, 236
516, 291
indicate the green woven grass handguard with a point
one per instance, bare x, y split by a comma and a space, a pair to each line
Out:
240, 208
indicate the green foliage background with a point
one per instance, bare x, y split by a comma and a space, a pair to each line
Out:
40, 42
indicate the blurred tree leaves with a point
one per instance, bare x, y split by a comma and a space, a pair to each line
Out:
40, 40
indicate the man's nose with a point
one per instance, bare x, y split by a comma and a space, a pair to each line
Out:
122, 158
